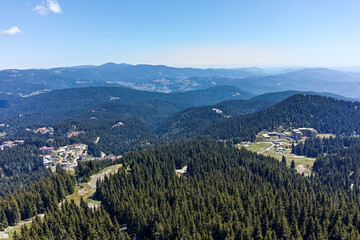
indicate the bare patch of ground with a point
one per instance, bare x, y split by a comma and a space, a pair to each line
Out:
301, 168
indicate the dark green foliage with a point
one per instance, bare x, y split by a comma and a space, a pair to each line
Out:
70, 221
192, 119
283, 161
35, 198
340, 169
20, 166
312, 147
20, 159
226, 194
292, 166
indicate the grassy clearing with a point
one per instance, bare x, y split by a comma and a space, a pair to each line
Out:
87, 190
84, 190
303, 164
261, 144
258, 146
299, 160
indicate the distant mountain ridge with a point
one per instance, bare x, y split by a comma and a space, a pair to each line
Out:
315, 80
159, 78
280, 96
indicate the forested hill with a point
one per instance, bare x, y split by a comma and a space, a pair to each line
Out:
70, 100
280, 96
198, 117
226, 194
326, 115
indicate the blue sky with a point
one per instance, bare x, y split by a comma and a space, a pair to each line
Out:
50, 33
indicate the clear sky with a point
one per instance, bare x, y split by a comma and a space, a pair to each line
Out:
199, 33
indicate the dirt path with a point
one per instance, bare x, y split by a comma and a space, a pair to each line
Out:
86, 190
11, 229
267, 149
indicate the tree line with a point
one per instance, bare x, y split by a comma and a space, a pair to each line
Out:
312, 147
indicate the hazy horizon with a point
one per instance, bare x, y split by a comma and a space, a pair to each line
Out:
214, 66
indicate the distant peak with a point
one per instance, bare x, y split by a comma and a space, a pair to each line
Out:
108, 64
112, 65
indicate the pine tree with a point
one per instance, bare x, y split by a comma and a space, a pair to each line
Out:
13, 211
3, 219
283, 160
292, 165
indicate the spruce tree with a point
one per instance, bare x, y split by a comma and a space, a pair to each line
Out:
283, 160
292, 165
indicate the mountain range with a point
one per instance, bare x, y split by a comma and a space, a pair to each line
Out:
16, 83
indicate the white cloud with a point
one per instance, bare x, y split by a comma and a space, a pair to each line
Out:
10, 31
48, 6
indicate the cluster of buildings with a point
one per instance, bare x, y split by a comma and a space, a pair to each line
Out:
118, 124
299, 133
279, 145
111, 157
10, 144
46, 150
268, 135
245, 144
45, 130
64, 155
68, 156
74, 133
295, 134
42, 130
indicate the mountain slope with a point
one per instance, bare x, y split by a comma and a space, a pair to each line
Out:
195, 118
67, 102
327, 115
280, 96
